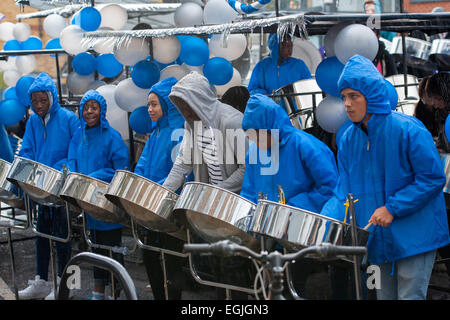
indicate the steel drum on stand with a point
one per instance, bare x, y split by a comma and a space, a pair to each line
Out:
216, 214
40, 182
88, 194
9, 192
145, 201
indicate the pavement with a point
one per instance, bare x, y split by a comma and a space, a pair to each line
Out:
317, 285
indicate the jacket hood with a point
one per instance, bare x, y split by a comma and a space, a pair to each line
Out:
170, 113
197, 92
44, 82
94, 95
360, 74
263, 113
274, 46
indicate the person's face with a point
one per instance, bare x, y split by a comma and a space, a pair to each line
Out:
185, 110
355, 104
286, 49
154, 107
91, 113
437, 101
261, 137
40, 102
370, 8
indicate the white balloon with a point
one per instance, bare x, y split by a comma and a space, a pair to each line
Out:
95, 84
356, 39
6, 31
21, 31
218, 12
78, 84
113, 16
106, 45
130, 52
233, 48
173, 70
330, 37
117, 118
189, 14
53, 25
236, 80
9, 64
10, 77
330, 114
129, 96
198, 69
166, 50
26, 64
71, 38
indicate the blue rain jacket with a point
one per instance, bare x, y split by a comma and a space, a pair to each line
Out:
6, 152
156, 161
268, 75
47, 141
98, 152
395, 165
307, 169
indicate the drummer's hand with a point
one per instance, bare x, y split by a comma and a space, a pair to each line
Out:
381, 217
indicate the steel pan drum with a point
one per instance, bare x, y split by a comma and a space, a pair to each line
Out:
9, 192
40, 182
440, 53
216, 214
415, 48
149, 203
293, 100
297, 228
88, 194
398, 81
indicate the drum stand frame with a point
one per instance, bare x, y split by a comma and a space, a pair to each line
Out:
11, 248
162, 251
122, 250
51, 238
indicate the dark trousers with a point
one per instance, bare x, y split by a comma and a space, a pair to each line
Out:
109, 238
52, 221
174, 265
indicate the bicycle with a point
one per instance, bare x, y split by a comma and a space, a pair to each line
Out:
274, 260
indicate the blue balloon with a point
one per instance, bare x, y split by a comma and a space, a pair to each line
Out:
218, 71
140, 120
32, 43
447, 128
12, 45
84, 63
393, 95
75, 18
23, 84
108, 66
11, 112
327, 75
145, 74
10, 93
341, 130
89, 19
53, 44
194, 51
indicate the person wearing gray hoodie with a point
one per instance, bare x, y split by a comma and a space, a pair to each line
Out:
213, 148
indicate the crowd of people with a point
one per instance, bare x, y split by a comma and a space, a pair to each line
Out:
389, 161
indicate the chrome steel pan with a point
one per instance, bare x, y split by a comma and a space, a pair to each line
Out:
9, 193
299, 95
297, 229
145, 201
216, 214
415, 48
88, 194
40, 182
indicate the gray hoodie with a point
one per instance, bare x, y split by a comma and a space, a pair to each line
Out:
226, 123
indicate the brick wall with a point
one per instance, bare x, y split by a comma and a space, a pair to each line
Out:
425, 6
44, 63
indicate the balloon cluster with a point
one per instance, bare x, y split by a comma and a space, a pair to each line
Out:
15, 101
341, 42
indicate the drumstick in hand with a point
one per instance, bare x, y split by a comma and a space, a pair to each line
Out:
367, 227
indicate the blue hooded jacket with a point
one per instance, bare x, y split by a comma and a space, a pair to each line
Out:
156, 158
47, 141
307, 169
268, 75
395, 165
98, 152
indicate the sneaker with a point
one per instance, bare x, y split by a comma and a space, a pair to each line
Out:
37, 289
